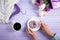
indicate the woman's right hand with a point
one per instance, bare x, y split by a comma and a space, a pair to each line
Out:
46, 30
31, 33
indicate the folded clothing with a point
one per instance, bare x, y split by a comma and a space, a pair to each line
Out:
6, 9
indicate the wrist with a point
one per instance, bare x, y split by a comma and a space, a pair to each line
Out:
34, 37
51, 34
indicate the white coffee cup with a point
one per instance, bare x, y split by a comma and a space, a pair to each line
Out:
37, 20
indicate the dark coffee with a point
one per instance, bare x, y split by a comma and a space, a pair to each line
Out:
17, 26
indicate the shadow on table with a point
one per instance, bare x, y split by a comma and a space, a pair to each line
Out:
27, 36
9, 28
49, 38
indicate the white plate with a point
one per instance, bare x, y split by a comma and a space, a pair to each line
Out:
37, 20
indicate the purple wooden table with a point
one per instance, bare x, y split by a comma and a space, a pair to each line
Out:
29, 10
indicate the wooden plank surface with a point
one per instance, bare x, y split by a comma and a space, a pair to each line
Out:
29, 10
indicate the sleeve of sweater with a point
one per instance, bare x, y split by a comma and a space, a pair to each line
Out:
56, 37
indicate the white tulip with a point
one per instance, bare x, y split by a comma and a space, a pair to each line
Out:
33, 1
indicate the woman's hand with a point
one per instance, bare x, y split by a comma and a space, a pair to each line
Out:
31, 33
46, 30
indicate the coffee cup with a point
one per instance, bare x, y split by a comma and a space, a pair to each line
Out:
16, 26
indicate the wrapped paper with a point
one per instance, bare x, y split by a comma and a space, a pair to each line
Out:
55, 3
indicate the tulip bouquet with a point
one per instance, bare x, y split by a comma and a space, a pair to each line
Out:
43, 5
